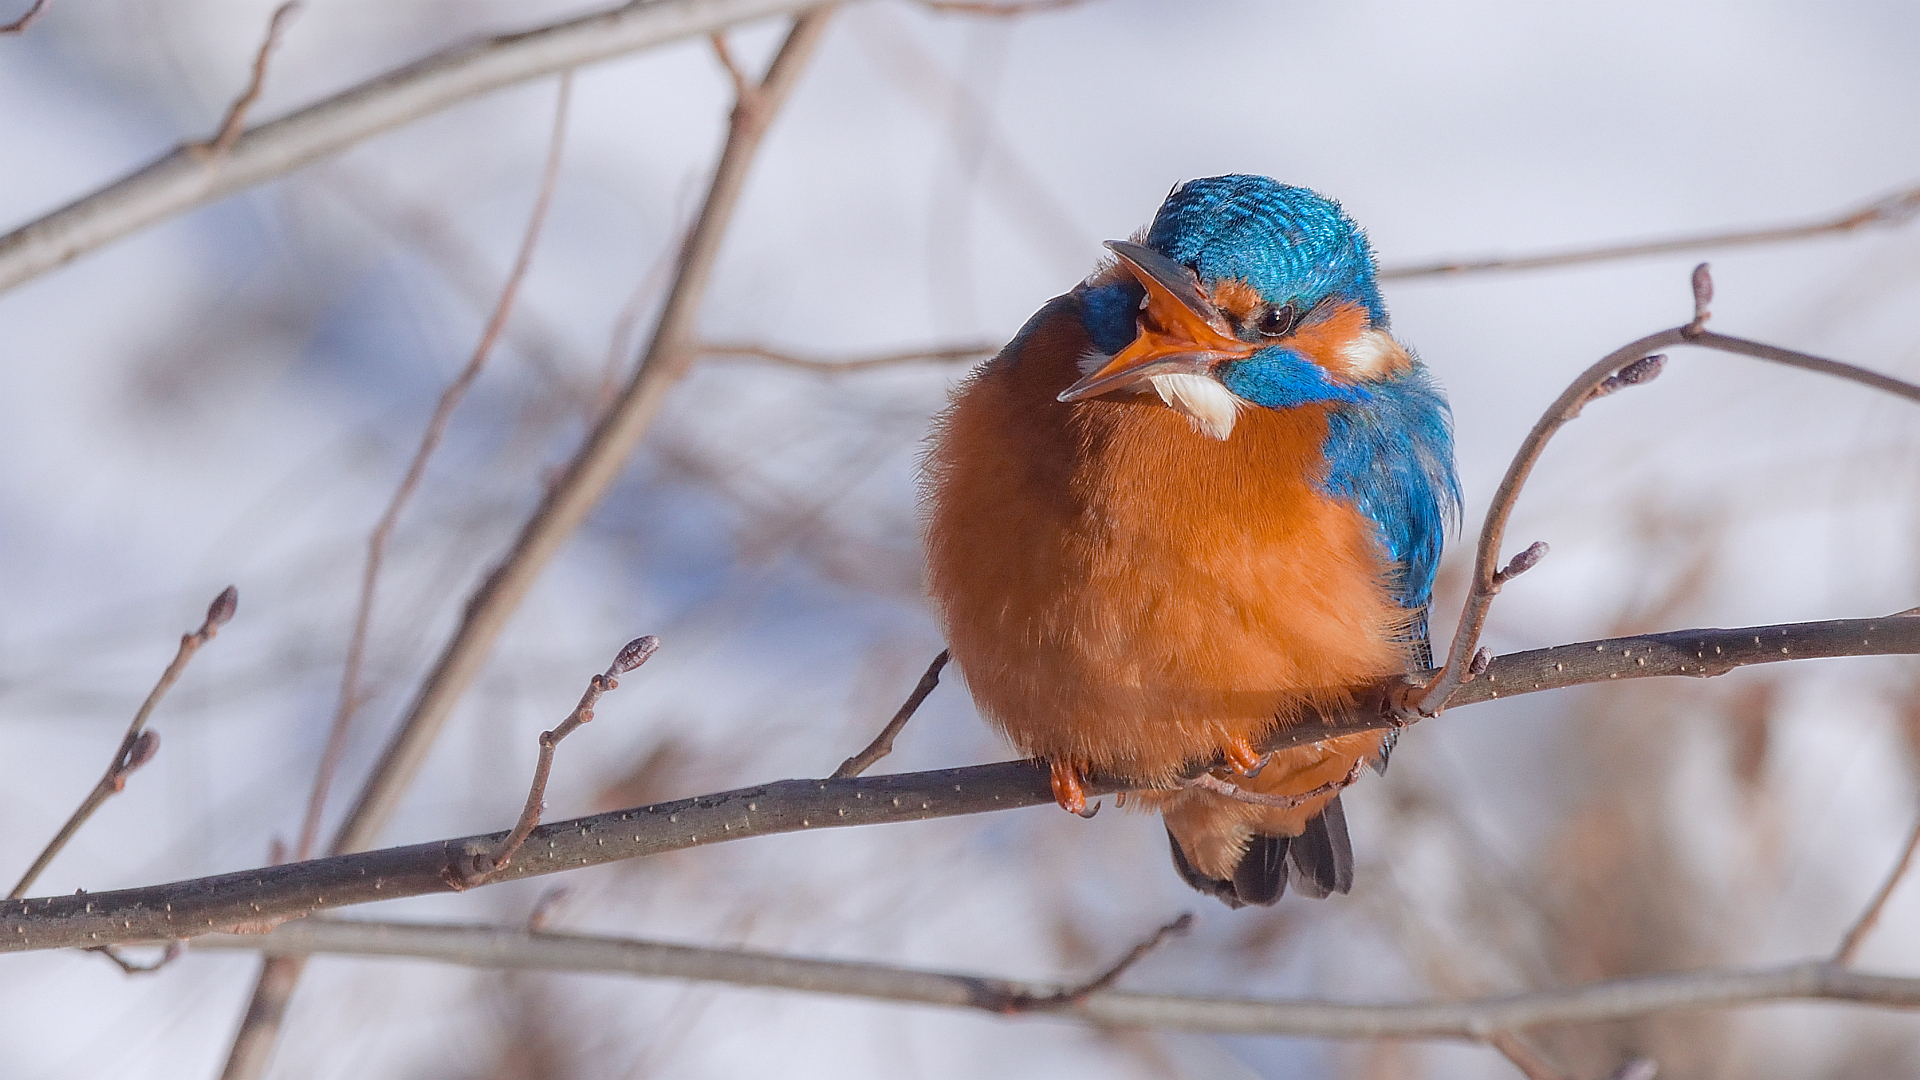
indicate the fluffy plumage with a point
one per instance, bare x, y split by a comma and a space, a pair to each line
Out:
1132, 585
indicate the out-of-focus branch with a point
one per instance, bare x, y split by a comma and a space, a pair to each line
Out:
272, 894
181, 180
19, 25
1893, 210
502, 947
1869, 918
761, 354
1525, 1056
1627, 366
430, 438
485, 863
597, 464
882, 744
235, 121
566, 504
1007, 8
253, 1042
137, 746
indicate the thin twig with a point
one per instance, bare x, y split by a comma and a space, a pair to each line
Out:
485, 863
1893, 210
1626, 366
882, 744
1209, 782
137, 746
167, 956
1525, 1056
276, 893
1863, 926
745, 352
512, 948
566, 503
236, 119
179, 180
430, 438
1073, 996
19, 25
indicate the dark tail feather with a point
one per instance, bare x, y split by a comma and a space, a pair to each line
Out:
1319, 861
1262, 874
1211, 886
1322, 856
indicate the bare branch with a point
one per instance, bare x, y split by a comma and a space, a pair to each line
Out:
882, 744
1429, 699
1893, 210
566, 504
594, 467
1067, 997
19, 25
236, 118
1863, 926
486, 863
276, 893
745, 352
137, 746
180, 180
515, 949
430, 439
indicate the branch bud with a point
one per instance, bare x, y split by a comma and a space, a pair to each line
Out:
634, 654
220, 612
144, 747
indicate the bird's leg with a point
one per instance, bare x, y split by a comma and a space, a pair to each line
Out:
1069, 787
1243, 757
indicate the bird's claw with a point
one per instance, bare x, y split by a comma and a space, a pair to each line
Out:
1069, 788
1244, 759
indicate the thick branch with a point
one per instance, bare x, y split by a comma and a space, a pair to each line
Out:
497, 947
183, 179
273, 894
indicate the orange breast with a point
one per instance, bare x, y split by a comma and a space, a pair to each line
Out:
1124, 593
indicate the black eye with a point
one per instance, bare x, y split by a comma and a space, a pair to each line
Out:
1277, 322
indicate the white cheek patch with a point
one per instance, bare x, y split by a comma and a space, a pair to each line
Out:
1091, 361
1210, 406
1374, 355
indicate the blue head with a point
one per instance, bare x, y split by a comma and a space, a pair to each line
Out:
1290, 244
1252, 294
1246, 292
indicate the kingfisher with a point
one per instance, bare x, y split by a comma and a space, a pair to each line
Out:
1197, 500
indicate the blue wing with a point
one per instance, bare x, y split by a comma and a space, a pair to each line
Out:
1392, 456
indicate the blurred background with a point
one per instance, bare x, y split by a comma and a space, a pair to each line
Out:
230, 397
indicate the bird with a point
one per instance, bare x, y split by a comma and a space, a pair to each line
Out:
1196, 500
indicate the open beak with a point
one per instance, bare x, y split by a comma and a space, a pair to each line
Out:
1181, 332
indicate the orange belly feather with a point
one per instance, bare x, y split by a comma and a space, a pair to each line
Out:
1127, 595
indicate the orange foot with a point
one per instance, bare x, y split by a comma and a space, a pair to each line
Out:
1069, 788
1245, 760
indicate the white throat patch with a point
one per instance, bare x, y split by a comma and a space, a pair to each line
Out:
1209, 406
